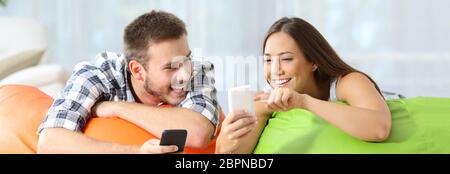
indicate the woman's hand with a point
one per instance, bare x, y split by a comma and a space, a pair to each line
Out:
282, 99
234, 127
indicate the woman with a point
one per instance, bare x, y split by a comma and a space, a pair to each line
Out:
305, 72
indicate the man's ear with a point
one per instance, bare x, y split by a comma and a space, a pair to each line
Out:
137, 70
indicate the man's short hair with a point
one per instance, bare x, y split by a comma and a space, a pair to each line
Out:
152, 27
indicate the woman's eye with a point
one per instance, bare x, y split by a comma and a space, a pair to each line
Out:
287, 59
267, 61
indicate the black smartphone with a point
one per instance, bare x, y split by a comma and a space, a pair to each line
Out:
174, 137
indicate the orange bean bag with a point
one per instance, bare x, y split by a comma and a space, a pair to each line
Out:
22, 109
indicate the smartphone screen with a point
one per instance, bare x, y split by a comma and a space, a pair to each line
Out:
174, 137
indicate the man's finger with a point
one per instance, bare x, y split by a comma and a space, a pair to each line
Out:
156, 149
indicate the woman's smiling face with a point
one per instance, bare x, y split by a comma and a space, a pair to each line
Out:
285, 65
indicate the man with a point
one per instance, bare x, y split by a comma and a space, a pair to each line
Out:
156, 69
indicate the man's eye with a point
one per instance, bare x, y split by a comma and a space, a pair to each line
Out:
267, 61
287, 59
169, 68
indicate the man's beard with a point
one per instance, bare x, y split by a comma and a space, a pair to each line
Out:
158, 94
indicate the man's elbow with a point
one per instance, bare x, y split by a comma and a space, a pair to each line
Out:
200, 138
53, 140
44, 143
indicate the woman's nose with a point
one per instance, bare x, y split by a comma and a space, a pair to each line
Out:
275, 68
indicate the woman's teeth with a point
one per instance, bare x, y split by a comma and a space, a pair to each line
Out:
281, 81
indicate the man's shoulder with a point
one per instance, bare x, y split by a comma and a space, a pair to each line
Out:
105, 62
203, 65
107, 68
203, 74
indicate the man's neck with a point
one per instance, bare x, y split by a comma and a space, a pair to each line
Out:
139, 93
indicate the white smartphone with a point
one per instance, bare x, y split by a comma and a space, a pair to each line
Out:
241, 98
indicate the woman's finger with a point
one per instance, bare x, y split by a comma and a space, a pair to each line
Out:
234, 115
271, 107
271, 97
285, 98
241, 132
243, 122
270, 101
261, 97
278, 99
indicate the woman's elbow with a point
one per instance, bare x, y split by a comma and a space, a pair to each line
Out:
381, 133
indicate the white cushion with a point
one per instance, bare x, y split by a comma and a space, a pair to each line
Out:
13, 61
23, 43
38, 76
54, 89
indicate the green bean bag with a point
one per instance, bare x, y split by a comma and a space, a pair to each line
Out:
419, 125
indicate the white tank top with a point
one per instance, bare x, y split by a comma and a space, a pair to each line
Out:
333, 96
386, 95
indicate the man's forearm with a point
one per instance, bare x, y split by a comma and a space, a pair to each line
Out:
61, 140
156, 120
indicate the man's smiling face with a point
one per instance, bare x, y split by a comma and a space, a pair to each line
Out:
168, 70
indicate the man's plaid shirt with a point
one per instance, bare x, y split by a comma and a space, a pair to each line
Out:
106, 79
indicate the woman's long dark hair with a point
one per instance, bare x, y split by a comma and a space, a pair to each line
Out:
315, 48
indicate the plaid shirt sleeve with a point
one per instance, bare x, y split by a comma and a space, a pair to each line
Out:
202, 95
72, 108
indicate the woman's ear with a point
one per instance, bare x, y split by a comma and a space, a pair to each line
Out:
315, 67
137, 70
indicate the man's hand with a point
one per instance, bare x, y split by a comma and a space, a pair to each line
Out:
105, 109
152, 147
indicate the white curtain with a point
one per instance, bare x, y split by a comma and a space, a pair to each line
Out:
403, 44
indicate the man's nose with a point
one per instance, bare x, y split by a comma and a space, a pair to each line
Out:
183, 75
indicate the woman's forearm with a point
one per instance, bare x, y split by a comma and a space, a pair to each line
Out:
365, 124
247, 142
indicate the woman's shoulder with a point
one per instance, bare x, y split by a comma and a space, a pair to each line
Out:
353, 84
353, 77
